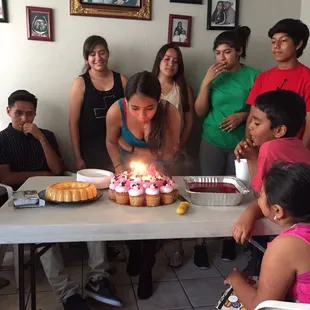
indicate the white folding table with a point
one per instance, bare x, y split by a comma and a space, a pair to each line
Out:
104, 220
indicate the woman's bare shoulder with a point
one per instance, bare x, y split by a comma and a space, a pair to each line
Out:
78, 84
114, 112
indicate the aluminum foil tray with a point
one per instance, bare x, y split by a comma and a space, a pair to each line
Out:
215, 199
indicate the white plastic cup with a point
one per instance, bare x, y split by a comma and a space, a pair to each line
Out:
242, 172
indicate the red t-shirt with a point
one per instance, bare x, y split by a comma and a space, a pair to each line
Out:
289, 150
296, 79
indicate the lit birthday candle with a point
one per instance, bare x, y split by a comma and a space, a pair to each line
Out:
138, 168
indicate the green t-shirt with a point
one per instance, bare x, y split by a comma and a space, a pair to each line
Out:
228, 94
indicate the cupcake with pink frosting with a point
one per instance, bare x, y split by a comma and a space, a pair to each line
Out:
152, 195
175, 187
136, 195
121, 193
112, 187
167, 193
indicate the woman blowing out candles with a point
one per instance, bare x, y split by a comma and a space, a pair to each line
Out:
142, 125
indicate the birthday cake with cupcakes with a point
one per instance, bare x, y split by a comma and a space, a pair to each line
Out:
143, 186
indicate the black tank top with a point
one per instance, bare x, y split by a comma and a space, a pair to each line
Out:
92, 123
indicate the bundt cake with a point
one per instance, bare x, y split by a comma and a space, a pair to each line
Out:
71, 192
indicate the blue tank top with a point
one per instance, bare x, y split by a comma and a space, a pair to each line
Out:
129, 137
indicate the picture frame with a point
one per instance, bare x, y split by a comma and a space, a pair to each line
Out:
39, 23
179, 30
3, 12
127, 9
222, 15
187, 1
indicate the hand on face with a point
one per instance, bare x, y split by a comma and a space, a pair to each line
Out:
213, 72
30, 128
247, 149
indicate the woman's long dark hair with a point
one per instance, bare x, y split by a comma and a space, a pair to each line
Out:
89, 44
147, 84
237, 39
179, 76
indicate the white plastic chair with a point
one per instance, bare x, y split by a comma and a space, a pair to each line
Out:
281, 305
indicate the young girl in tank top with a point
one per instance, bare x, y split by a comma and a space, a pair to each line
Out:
91, 96
169, 68
285, 270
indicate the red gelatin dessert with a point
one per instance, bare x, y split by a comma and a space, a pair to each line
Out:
218, 187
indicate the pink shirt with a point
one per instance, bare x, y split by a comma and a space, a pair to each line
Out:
300, 290
275, 151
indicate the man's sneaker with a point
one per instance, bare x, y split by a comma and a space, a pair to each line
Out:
75, 302
103, 291
229, 250
201, 257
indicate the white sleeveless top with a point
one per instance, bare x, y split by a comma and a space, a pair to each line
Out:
174, 97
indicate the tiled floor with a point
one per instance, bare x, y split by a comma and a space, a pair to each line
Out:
181, 288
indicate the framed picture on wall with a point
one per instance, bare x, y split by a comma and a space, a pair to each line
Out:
128, 3
179, 30
222, 15
187, 1
3, 12
134, 9
39, 23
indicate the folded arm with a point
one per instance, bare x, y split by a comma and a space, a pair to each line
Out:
54, 162
49, 145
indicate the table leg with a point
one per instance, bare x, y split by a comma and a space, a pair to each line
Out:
33, 261
22, 305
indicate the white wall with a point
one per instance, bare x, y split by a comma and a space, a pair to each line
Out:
305, 17
48, 68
